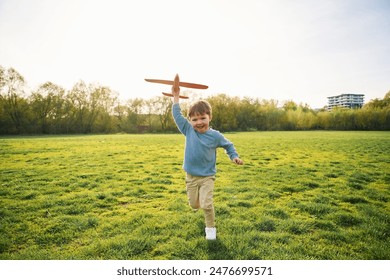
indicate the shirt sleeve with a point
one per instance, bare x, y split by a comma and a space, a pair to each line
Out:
228, 146
181, 122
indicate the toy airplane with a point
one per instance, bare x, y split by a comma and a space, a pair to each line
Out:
176, 84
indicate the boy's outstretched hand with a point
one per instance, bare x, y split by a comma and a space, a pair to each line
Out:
238, 161
176, 89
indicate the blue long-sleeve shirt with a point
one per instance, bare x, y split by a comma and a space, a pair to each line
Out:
201, 148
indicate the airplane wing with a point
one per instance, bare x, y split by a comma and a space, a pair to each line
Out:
181, 84
171, 95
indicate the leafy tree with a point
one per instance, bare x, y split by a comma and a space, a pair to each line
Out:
290, 106
379, 103
14, 106
246, 115
136, 117
77, 108
101, 102
47, 105
162, 107
224, 112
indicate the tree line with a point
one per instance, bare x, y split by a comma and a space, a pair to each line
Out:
92, 108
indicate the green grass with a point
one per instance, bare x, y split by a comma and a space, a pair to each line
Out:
300, 195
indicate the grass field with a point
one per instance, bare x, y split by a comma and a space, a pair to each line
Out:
300, 195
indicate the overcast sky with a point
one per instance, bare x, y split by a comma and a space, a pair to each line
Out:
300, 50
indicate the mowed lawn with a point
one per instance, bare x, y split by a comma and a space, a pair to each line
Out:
300, 195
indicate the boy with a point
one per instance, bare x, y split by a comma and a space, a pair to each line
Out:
200, 156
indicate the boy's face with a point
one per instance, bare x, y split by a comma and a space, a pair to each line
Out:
200, 122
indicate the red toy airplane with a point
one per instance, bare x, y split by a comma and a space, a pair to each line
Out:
176, 84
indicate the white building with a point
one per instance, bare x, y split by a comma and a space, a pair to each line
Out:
346, 100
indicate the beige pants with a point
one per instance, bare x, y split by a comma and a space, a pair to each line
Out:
200, 195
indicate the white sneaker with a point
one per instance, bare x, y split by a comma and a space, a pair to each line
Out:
211, 233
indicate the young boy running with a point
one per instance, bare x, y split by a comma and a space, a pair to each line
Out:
200, 156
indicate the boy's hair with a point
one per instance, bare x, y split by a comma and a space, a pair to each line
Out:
201, 107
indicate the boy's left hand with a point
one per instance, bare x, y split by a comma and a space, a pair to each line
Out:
238, 161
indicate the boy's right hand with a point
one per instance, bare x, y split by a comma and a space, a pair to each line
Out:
176, 89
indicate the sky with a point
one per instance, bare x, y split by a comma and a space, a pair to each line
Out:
299, 50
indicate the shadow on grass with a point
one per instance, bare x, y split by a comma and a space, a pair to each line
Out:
217, 250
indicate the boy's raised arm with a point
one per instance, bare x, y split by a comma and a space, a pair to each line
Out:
181, 122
